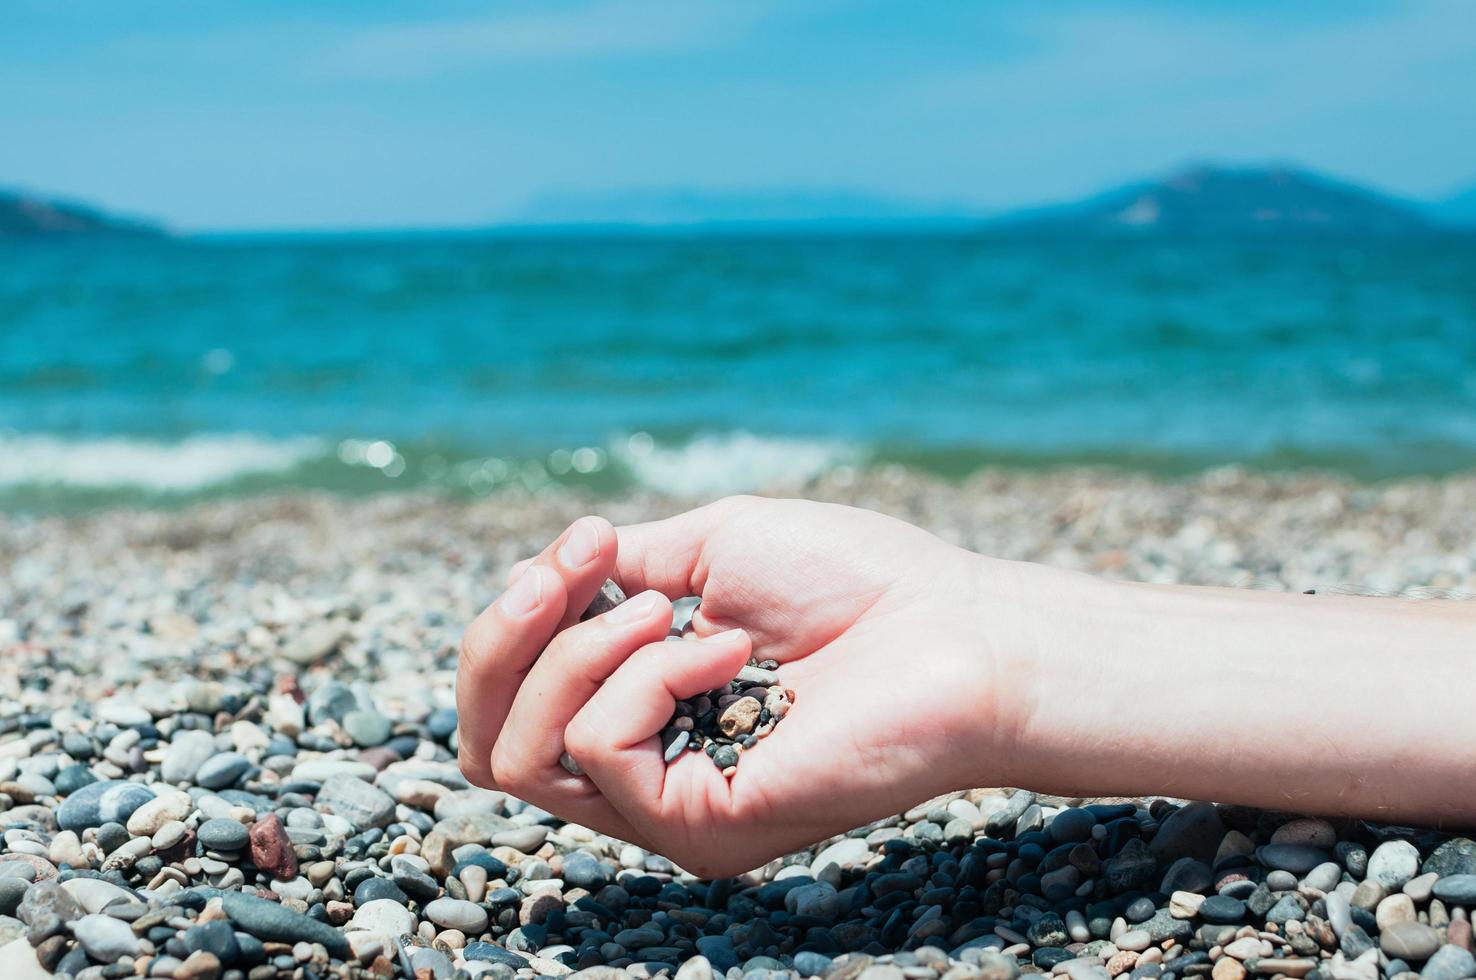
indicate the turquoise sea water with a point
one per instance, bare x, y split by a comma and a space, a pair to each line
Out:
149, 371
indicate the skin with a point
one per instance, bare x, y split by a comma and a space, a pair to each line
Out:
920, 668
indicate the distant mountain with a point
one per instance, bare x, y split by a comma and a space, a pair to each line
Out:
703, 208
1210, 201
25, 216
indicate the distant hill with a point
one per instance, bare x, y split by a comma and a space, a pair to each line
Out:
1209, 201
24, 216
705, 208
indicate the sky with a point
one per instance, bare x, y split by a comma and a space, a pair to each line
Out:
347, 114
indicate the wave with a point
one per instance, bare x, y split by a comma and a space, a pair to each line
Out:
192, 463
732, 462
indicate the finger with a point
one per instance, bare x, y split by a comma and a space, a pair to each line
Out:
495, 652
571, 671
584, 555
614, 736
525, 760
516, 572
667, 555
575, 554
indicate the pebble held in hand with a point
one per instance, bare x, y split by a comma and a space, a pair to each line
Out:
722, 722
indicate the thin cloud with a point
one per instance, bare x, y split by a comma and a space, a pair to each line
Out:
612, 28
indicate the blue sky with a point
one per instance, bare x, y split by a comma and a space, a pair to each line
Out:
364, 113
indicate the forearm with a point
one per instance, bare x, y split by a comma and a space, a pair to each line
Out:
1325, 704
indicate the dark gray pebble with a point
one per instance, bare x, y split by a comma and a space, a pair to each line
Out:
674, 742
1072, 825
1456, 856
1194, 830
1295, 858
274, 922
214, 937
1140, 910
1222, 910
1458, 889
222, 835
223, 770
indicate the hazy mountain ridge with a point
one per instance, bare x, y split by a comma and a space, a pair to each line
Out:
1212, 201
1198, 201
29, 216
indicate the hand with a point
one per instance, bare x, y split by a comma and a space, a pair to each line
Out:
881, 630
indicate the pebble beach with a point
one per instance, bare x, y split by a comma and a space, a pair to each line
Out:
227, 750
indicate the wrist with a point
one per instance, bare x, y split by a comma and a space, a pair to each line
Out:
1061, 667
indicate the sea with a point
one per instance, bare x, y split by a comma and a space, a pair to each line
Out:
161, 372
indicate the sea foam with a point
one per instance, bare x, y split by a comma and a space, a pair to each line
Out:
192, 463
730, 462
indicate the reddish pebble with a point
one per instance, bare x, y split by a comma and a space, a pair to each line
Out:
271, 851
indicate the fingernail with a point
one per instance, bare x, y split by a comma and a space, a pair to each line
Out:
581, 547
524, 595
633, 609
718, 639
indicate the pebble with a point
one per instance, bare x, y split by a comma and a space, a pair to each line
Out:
367, 728
1297, 859
273, 921
105, 939
188, 751
1393, 863
1449, 963
450, 913
221, 834
364, 806
170, 807
1456, 856
222, 770
1457, 889
383, 915
1412, 941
